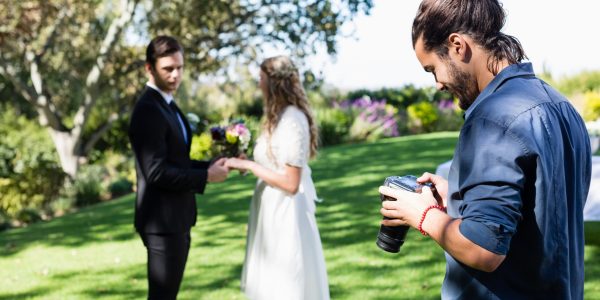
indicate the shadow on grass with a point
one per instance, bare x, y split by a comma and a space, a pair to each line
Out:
123, 283
108, 221
36, 292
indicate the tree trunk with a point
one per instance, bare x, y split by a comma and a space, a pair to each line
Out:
65, 147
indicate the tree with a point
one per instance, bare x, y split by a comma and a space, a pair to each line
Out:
73, 62
54, 53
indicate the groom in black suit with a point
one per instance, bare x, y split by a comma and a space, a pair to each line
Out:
167, 178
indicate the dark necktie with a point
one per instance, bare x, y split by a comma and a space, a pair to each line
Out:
175, 111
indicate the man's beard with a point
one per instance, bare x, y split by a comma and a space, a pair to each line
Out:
463, 86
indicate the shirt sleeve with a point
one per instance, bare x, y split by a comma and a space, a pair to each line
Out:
491, 184
295, 128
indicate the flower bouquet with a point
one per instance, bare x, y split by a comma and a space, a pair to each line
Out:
231, 140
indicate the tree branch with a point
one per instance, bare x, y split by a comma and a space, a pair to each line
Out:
8, 72
108, 44
63, 14
95, 137
47, 110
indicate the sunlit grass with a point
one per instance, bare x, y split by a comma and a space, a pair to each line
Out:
95, 252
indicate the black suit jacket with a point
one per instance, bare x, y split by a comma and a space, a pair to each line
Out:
167, 178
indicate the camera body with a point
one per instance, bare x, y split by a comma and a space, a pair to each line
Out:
390, 239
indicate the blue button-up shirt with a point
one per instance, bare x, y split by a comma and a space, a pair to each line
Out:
519, 180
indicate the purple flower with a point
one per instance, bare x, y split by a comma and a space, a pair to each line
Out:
372, 114
217, 133
446, 104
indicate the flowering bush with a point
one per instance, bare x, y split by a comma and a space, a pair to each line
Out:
450, 117
231, 140
372, 119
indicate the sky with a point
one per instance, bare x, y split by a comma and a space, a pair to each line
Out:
557, 35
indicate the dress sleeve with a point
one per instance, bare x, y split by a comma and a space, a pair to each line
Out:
491, 183
296, 136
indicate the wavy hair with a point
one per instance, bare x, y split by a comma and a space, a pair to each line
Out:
283, 88
482, 20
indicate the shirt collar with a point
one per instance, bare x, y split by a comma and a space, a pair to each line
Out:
166, 96
507, 73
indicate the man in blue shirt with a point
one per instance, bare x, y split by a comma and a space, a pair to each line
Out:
521, 169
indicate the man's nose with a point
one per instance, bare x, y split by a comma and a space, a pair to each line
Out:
440, 86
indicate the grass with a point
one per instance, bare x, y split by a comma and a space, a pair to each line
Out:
95, 252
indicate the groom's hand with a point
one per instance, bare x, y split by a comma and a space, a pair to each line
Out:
217, 172
215, 159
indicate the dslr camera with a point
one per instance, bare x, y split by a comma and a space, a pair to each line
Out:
391, 238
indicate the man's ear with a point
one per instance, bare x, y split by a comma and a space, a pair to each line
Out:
149, 68
459, 47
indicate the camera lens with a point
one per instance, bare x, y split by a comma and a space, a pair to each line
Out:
390, 239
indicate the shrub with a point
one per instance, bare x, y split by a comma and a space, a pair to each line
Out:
422, 117
30, 175
375, 120
119, 187
4, 221
87, 185
402, 97
62, 205
592, 106
450, 117
333, 126
580, 83
29, 215
252, 108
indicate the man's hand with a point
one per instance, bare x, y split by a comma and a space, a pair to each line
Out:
441, 186
408, 207
218, 172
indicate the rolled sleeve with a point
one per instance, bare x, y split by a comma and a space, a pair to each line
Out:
491, 185
487, 236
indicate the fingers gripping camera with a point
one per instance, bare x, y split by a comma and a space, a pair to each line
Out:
391, 239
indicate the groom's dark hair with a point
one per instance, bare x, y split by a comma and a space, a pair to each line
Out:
161, 46
482, 20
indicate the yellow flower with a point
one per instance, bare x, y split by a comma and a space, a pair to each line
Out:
232, 139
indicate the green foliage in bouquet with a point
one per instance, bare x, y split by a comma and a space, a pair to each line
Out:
202, 147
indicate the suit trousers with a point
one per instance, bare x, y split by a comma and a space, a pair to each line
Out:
167, 255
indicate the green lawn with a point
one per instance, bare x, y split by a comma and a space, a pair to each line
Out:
95, 253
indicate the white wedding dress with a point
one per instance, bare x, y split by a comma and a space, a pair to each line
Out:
284, 257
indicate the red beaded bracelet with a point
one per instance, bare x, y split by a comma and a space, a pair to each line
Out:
420, 227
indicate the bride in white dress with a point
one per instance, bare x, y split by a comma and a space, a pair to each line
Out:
284, 256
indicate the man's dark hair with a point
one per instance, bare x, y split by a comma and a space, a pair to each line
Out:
482, 20
161, 46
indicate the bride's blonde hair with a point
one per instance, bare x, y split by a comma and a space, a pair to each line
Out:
283, 88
